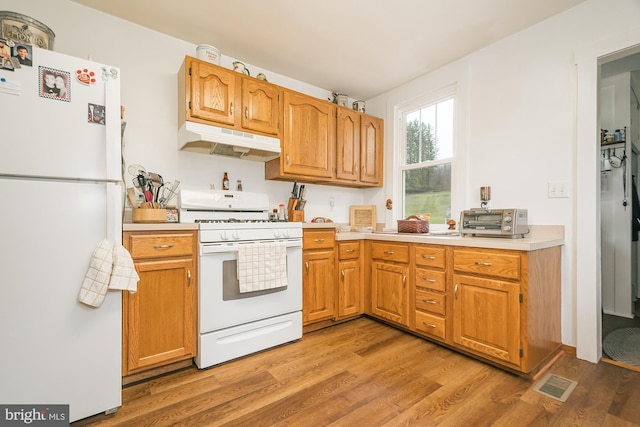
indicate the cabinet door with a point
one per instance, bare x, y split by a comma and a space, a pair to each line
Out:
371, 150
308, 136
161, 315
213, 92
349, 288
390, 292
348, 145
487, 317
318, 286
260, 106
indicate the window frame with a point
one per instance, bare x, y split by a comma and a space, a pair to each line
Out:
428, 99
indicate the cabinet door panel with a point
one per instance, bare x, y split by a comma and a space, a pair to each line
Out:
371, 137
260, 106
318, 286
487, 317
213, 93
348, 147
389, 292
349, 288
161, 323
308, 136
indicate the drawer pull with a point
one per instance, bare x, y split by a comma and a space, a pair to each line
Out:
319, 240
404, 281
306, 265
429, 325
428, 257
455, 291
349, 251
488, 264
388, 252
162, 246
188, 278
343, 275
246, 112
426, 279
231, 108
429, 301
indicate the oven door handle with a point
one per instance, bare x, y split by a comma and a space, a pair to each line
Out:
214, 248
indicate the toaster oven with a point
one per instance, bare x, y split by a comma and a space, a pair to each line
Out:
494, 222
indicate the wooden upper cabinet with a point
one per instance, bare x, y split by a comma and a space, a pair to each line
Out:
359, 148
260, 106
211, 94
308, 136
371, 149
348, 145
214, 92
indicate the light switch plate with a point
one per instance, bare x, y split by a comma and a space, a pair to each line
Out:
558, 189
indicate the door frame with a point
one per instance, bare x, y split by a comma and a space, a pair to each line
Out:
587, 281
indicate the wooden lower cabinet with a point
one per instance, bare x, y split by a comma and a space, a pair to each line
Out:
389, 277
350, 283
160, 319
506, 305
318, 280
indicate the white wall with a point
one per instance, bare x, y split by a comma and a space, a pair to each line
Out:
149, 62
517, 128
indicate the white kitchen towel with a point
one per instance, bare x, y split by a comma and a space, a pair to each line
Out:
262, 266
123, 276
96, 281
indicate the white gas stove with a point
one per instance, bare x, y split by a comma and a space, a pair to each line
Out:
233, 323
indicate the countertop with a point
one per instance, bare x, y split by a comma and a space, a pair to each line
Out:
540, 237
158, 226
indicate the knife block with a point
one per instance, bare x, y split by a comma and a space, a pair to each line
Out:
294, 215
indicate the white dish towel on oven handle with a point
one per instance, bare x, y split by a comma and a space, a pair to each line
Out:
110, 267
262, 266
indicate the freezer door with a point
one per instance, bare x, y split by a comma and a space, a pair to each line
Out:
59, 136
56, 350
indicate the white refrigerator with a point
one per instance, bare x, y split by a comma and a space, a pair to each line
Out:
61, 194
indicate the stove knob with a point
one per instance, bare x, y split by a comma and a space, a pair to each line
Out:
276, 233
236, 235
286, 233
223, 235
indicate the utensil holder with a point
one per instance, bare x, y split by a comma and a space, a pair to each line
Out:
296, 216
148, 215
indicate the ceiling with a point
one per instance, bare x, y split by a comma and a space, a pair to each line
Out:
359, 47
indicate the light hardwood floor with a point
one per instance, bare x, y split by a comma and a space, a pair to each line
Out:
364, 373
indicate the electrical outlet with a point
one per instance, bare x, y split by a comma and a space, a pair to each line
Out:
332, 203
558, 189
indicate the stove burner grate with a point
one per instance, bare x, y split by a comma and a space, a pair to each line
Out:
228, 221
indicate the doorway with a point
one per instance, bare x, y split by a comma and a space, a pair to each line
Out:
619, 119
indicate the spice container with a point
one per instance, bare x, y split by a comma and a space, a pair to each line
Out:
225, 181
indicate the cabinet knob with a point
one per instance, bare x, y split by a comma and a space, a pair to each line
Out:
428, 257
488, 264
349, 251
429, 301
343, 275
404, 281
188, 277
246, 112
319, 240
306, 265
455, 291
429, 325
231, 108
388, 252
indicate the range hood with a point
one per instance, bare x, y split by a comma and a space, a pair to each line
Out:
219, 141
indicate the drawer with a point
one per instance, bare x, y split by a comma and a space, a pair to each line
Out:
160, 245
429, 256
349, 250
318, 239
430, 301
431, 279
498, 264
390, 251
430, 324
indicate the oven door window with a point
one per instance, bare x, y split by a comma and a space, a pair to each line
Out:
231, 285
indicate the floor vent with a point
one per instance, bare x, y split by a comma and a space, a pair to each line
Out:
556, 387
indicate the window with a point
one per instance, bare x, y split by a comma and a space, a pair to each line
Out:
427, 140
